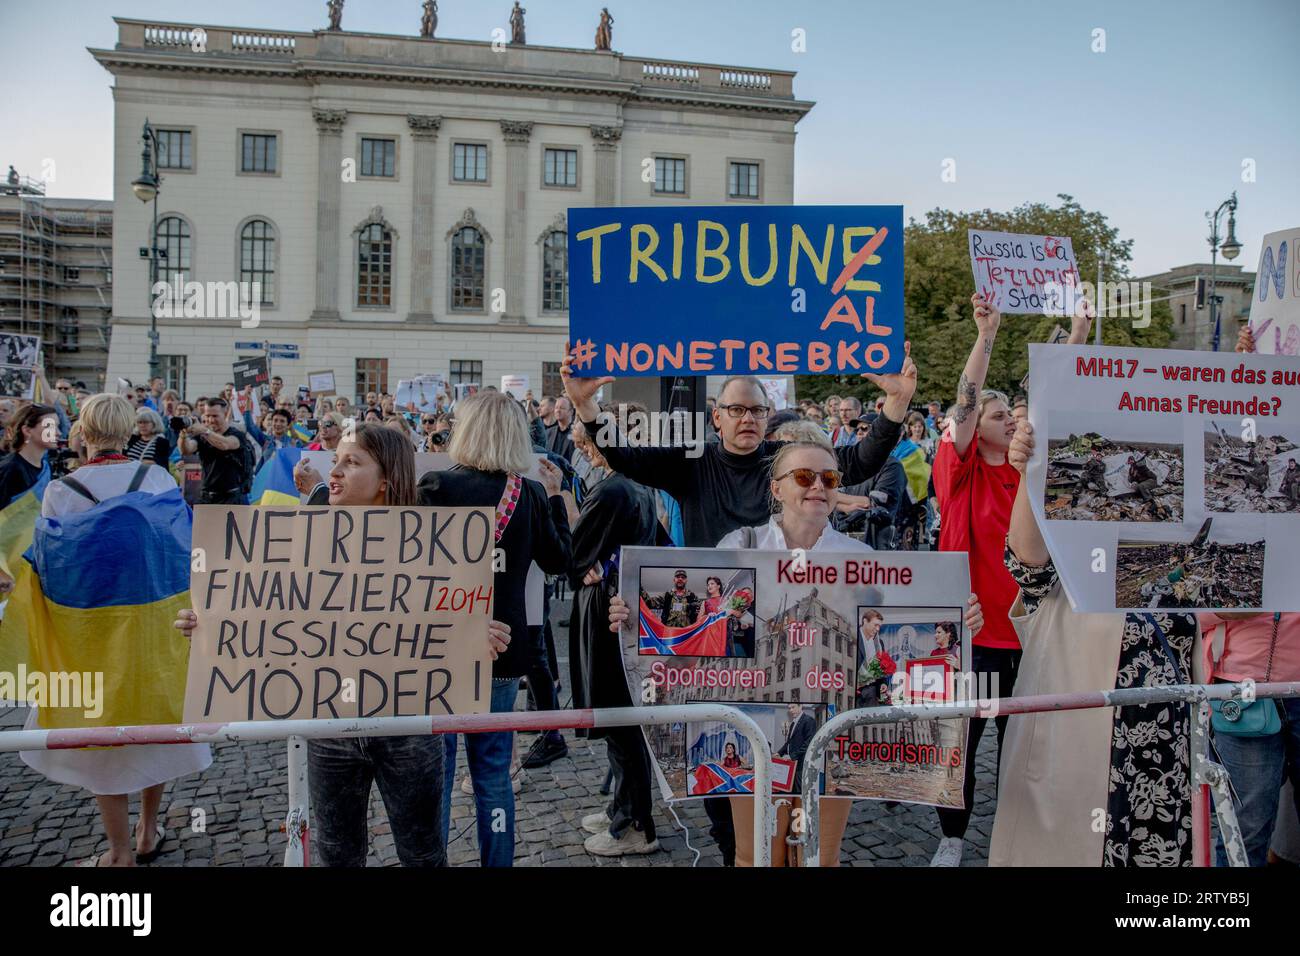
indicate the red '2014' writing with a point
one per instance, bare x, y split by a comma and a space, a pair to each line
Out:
463, 599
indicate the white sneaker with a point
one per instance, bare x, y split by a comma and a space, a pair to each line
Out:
632, 841
949, 852
596, 822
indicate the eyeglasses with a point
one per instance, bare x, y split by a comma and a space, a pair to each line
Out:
863, 429
806, 477
738, 411
429, 421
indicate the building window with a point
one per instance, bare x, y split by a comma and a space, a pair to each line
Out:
257, 153
372, 376
555, 271
826, 637
257, 261
552, 382
374, 266
797, 667
378, 157
172, 370
174, 254
794, 695
780, 695
466, 372
1182, 312
560, 167
670, 175
174, 149
71, 274
742, 181
469, 162
69, 331
468, 268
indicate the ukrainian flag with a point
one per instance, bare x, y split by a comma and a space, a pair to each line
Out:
273, 483
103, 590
301, 434
912, 457
17, 524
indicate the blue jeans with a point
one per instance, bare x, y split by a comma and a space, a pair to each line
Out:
408, 771
1257, 767
489, 769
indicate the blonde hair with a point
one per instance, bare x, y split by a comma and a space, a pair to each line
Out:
990, 395
779, 467
491, 434
803, 432
107, 421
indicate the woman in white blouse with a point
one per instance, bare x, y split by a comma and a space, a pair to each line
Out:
805, 476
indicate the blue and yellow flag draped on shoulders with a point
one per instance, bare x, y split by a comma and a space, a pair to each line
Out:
99, 595
273, 483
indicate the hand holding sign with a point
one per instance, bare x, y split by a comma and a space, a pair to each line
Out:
898, 388
1022, 447
581, 391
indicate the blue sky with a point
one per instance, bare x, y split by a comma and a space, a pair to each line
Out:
1152, 132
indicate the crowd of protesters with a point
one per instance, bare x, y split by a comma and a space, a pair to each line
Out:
835, 474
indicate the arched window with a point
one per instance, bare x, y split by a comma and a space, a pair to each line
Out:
468, 268
257, 261
174, 254
555, 271
375, 266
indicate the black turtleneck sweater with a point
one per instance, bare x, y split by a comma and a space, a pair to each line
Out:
719, 491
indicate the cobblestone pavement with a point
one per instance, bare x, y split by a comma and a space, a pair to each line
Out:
231, 815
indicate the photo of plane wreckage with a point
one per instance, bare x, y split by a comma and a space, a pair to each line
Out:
1092, 478
1199, 574
1262, 476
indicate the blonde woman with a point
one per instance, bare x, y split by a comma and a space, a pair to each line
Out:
491, 450
398, 423
113, 774
803, 484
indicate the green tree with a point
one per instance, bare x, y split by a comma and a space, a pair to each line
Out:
937, 286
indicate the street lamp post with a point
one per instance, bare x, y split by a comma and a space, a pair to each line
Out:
146, 188
1231, 247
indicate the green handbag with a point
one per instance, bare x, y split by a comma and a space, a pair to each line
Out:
1258, 718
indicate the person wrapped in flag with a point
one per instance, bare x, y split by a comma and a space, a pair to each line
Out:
107, 570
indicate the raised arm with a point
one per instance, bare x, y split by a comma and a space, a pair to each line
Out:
1024, 537
965, 418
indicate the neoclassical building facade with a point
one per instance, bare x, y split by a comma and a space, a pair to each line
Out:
401, 201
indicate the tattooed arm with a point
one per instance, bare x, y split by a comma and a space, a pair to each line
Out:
966, 417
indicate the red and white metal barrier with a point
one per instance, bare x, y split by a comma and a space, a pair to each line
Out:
1207, 775
296, 732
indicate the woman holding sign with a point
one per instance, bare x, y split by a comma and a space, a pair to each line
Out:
376, 467
1096, 787
802, 487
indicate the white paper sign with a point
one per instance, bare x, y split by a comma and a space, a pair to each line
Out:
1168, 479
423, 390
778, 392
1275, 308
1025, 275
516, 385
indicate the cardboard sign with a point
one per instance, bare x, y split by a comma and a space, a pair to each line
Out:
19, 358
251, 371
515, 385
321, 383
1275, 309
340, 612
732, 289
772, 630
1025, 275
1166, 479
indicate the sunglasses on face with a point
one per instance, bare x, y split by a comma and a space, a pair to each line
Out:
738, 411
429, 421
863, 429
806, 477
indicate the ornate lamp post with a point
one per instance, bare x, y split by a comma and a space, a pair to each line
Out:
1230, 248
146, 188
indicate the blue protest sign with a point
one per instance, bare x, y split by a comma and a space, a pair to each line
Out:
695, 290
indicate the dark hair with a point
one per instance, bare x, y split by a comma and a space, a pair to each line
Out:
871, 613
283, 413
713, 577
395, 456
949, 628
218, 402
27, 417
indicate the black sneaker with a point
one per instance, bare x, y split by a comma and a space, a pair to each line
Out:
546, 749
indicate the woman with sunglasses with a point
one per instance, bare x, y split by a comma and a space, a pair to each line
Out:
803, 484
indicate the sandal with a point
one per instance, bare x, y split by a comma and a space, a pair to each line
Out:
153, 854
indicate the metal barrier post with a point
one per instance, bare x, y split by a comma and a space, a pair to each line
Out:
296, 821
247, 731
1203, 770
